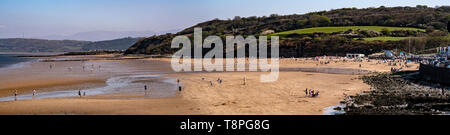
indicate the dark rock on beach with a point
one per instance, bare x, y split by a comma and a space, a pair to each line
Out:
399, 94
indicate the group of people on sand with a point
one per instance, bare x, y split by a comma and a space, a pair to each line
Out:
220, 81
211, 83
81, 93
394, 69
16, 94
70, 69
179, 85
34, 94
311, 93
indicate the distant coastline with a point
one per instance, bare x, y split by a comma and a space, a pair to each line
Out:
33, 53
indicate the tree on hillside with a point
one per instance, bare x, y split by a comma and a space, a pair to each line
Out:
386, 32
316, 21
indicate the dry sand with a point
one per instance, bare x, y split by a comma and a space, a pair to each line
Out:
285, 96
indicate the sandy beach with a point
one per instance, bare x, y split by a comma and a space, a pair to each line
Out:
101, 73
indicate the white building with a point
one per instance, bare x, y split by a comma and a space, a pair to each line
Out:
355, 55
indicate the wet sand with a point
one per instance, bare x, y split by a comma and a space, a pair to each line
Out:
286, 96
74, 106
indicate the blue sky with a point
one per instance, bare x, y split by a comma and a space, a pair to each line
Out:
63, 17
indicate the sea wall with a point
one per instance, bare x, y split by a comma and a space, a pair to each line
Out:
435, 74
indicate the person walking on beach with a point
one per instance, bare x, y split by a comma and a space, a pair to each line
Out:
219, 80
245, 80
145, 90
15, 95
79, 93
34, 93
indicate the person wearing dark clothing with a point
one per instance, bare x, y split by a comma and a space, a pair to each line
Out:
15, 95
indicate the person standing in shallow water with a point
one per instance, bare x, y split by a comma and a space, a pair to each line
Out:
79, 93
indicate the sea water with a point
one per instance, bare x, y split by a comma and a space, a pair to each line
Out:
11, 60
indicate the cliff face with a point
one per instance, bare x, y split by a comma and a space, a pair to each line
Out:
418, 17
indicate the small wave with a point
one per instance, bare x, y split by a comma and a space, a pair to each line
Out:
19, 64
332, 111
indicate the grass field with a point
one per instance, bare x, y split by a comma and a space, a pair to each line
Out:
383, 38
341, 28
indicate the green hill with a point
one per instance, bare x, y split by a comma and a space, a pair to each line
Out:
399, 21
343, 28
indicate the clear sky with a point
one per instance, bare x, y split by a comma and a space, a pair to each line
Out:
63, 17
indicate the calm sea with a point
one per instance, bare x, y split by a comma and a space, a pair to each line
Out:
7, 60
